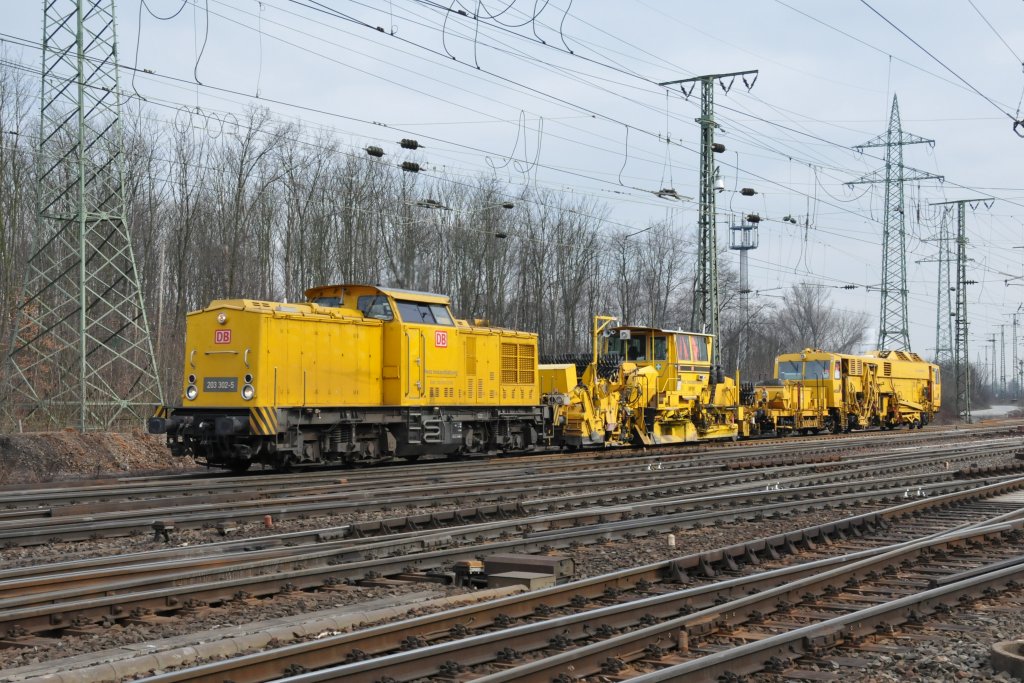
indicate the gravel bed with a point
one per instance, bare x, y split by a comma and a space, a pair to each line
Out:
61, 551
590, 561
960, 653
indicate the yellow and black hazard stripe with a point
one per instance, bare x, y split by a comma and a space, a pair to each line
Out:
263, 421
162, 411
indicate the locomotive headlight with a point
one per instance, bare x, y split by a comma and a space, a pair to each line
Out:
248, 379
191, 392
222, 317
248, 392
191, 379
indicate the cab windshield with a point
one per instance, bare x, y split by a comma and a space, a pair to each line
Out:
806, 370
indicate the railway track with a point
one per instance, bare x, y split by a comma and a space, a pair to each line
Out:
697, 618
104, 512
569, 504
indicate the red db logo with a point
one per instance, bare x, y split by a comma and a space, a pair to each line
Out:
441, 339
222, 337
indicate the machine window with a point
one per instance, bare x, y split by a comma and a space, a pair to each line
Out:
636, 347
816, 369
375, 306
660, 345
790, 369
328, 301
692, 347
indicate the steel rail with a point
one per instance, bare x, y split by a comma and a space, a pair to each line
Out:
84, 527
272, 664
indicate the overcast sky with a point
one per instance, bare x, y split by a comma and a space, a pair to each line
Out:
504, 95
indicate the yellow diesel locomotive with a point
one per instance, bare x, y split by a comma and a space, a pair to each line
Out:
356, 374
819, 391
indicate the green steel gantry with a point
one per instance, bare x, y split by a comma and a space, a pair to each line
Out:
705, 315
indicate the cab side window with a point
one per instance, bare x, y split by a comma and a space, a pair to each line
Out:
375, 306
424, 314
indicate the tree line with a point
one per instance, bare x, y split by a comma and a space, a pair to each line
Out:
264, 208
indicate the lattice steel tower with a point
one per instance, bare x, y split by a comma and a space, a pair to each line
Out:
705, 316
961, 358
944, 310
893, 328
82, 354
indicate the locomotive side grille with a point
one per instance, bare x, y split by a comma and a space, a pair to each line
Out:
509, 364
526, 364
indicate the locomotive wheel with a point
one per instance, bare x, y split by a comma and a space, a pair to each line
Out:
239, 466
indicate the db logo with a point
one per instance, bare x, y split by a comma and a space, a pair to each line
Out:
441, 339
222, 337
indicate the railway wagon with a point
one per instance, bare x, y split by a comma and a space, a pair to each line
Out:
815, 390
642, 386
356, 373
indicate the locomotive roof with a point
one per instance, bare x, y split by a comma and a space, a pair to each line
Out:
404, 294
643, 328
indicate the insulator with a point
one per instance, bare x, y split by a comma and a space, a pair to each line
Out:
718, 148
375, 151
970, 282
792, 220
410, 166
849, 286
507, 205
407, 143
748, 192
501, 235
753, 218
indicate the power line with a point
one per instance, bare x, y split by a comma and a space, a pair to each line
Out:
1016, 123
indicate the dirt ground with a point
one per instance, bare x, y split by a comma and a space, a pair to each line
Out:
52, 456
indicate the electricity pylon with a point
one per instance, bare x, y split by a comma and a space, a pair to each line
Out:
81, 354
705, 316
893, 329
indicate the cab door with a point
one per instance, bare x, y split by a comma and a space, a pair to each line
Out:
414, 370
